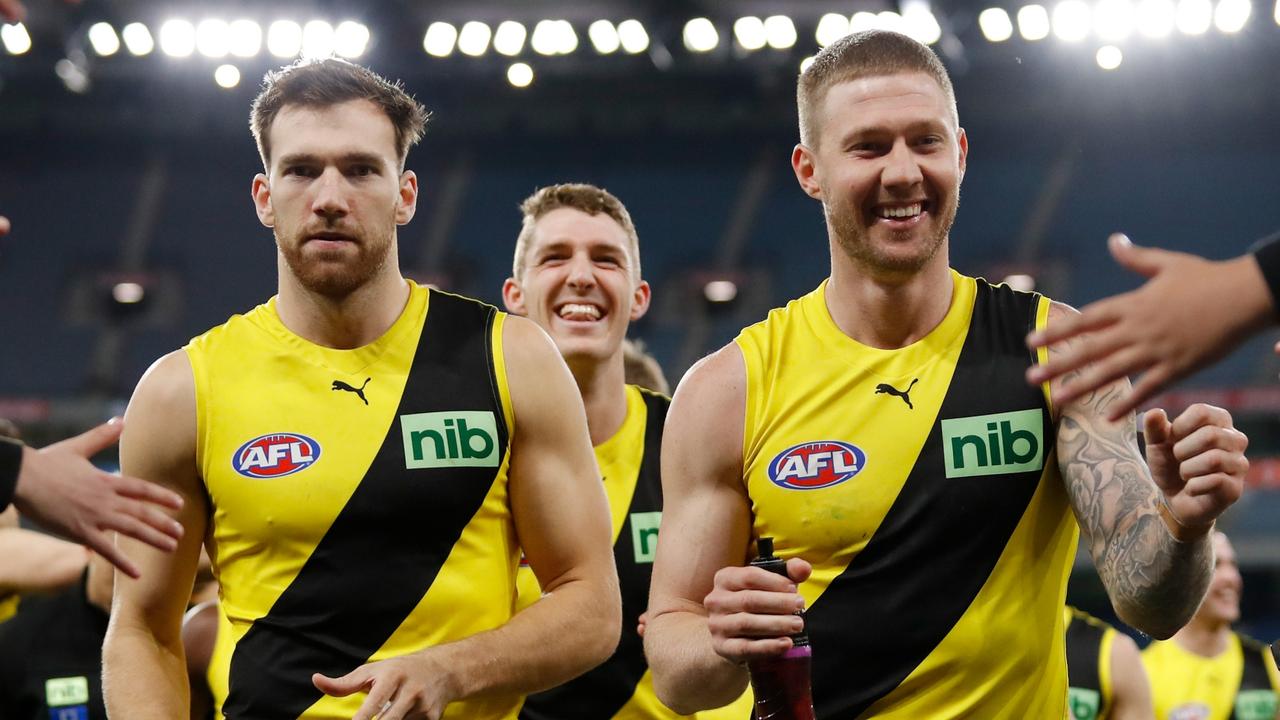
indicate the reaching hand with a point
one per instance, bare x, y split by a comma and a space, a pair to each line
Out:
60, 489
412, 687
1198, 461
1191, 312
751, 611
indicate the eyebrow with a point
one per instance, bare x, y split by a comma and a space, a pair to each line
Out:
352, 158
912, 126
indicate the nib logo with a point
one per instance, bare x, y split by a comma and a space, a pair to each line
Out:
995, 444
457, 438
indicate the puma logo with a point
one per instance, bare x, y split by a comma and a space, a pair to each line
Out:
339, 385
904, 394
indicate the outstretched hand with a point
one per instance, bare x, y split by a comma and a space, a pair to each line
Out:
1189, 313
1198, 462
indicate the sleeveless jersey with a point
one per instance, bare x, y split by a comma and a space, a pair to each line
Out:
1089, 642
922, 485
8, 606
358, 498
1240, 683
220, 663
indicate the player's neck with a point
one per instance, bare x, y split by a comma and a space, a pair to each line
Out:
604, 394
888, 312
351, 321
1204, 637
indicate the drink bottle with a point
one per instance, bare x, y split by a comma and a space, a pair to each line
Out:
781, 683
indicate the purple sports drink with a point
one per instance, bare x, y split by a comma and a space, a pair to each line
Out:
781, 684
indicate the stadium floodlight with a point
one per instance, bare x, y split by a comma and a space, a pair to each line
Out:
633, 36
604, 37
509, 38
227, 76
284, 39
780, 31
473, 39
17, 41
831, 27
1231, 15
439, 40
73, 77
317, 39
1194, 17
138, 39
749, 32
1071, 20
1278, 12
805, 63
350, 39
213, 38
520, 75
177, 38
245, 38
918, 22
1109, 57
104, 40
890, 20
700, 35
996, 25
1154, 18
566, 38
720, 291
1033, 22
1113, 19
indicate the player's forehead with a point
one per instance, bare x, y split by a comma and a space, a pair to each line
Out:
894, 101
567, 227
355, 127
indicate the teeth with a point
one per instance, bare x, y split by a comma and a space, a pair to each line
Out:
900, 212
570, 309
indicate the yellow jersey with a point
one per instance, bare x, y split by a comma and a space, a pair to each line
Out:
358, 498
1240, 683
922, 485
1089, 642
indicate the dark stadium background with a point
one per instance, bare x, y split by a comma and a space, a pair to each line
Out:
136, 169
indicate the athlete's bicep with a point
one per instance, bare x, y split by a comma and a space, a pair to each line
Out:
706, 516
557, 499
1130, 691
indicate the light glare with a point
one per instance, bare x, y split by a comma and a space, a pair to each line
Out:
1071, 20
604, 37
1033, 22
317, 39
284, 39
634, 38
245, 38
1194, 16
474, 38
439, 40
720, 291
700, 35
780, 31
104, 40
350, 39
509, 38
178, 38
1154, 18
213, 38
227, 76
520, 75
1231, 15
1109, 57
16, 38
749, 32
996, 25
919, 23
831, 28
863, 20
138, 39
1113, 19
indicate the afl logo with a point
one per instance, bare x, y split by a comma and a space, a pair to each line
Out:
275, 455
816, 465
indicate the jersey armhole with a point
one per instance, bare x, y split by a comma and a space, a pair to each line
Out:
1042, 353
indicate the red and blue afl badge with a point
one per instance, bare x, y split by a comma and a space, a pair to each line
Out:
816, 465
275, 455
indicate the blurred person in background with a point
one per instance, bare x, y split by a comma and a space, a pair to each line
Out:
1207, 671
641, 368
1105, 677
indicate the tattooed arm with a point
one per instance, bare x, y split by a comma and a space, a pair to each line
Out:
1148, 527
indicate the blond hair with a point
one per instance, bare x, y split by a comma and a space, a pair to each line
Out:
586, 198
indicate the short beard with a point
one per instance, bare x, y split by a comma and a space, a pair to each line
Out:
854, 240
332, 280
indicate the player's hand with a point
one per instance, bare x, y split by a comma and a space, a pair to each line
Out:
642, 622
60, 489
1191, 312
751, 611
412, 687
1198, 461
4, 221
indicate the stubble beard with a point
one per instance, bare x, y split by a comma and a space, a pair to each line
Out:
854, 240
332, 279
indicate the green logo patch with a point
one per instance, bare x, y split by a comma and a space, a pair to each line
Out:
1083, 703
455, 438
1256, 705
66, 691
644, 535
995, 444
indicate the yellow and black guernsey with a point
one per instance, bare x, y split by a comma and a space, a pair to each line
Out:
622, 686
1239, 683
1089, 642
359, 498
921, 483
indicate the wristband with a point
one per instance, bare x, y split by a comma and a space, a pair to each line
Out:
1267, 254
1180, 532
10, 465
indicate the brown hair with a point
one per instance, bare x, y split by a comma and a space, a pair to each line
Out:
589, 199
870, 53
641, 368
330, 81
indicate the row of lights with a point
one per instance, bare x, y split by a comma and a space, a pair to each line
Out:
216, 38
549, 37
1115, 20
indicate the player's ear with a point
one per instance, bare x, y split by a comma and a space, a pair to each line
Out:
640, 300
408, 200
513, 297
262, 200
806, 170
962, 139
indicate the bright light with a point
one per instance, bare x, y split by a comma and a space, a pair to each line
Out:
1071, 20
720, 291
780, 31
1154, 18
1113, 19
805, 63
749, 32
284, 39
604, 37
520, 75
439, 40
863, 20
1109, 57
138, 39
1231, 15
553, 37
350, 39
74, 78
474, 38
1033, 22
104, 40
16, 39
317, 39
1020, 281
246, 38
1194, 17
831, 28
633, 36
996, 25
213, 38
700, 35
509, 38
178, 38
128, 293
919, 23
1278, 12
227, 76
890, 20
